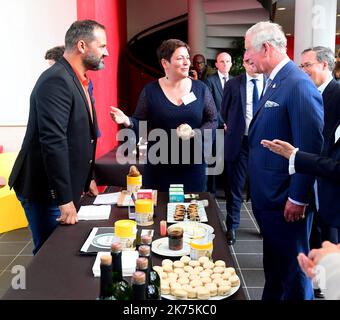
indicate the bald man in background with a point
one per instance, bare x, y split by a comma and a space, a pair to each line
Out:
216, 83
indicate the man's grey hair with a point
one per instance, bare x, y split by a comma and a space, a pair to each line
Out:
323, 54
266, 31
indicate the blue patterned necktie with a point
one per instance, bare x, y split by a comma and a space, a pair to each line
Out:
268, 83
255, 96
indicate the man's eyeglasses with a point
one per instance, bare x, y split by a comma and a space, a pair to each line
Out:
307, 65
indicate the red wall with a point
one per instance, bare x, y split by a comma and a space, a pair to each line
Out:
112, 14
290, 47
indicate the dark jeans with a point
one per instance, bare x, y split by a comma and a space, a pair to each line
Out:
41, 219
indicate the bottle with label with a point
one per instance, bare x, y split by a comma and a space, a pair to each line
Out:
106, 283
152, 292
154, 278
138, 284
121, 288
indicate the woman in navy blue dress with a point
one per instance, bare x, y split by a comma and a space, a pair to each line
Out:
171, 104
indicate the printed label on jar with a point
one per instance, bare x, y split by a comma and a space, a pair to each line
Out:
144, 219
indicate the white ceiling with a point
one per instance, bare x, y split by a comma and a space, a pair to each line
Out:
286, 18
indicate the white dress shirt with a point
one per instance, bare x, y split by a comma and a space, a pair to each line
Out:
221, 76
322, 88
337, 134
249, 97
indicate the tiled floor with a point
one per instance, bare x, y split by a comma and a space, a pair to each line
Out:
16, 249
247, 251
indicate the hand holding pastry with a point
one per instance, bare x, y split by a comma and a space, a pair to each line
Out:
185, 132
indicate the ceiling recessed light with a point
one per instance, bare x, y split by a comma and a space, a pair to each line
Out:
338, 15
288, 34
338, 33
281, 9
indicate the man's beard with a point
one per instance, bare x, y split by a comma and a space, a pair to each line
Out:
92, 62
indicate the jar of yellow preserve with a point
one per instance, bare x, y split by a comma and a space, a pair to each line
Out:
125, 232
144, 212
133, 184
202, 247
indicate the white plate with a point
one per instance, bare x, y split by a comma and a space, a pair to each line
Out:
103, 241
172, 207
233, 290
194, 229
161, 247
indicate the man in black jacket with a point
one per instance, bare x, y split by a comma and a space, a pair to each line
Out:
326, 168
318, 63
55, 164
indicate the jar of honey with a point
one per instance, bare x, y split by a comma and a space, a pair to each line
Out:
144, 212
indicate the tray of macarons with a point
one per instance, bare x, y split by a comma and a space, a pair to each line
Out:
201, 279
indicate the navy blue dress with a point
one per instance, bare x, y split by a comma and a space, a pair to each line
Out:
160, 113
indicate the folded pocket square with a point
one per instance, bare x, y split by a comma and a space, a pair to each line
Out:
271, 104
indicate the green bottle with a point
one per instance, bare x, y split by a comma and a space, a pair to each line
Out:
106, 283
145, 251
121, 288
138, 284
152, 292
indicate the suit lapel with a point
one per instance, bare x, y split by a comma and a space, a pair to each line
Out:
327, 93
276, 83
243, 90
218, 84
80, 89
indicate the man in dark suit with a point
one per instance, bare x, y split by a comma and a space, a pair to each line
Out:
290, 109
216, 84
318, 63
327, 169
238, 105
217, 81
55, 164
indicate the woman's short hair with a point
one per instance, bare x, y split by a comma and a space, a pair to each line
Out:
168, 47
55, 53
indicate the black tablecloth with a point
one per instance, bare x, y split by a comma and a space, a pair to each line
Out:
109, 172
58, 271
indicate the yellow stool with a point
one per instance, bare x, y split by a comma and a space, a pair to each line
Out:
12, 215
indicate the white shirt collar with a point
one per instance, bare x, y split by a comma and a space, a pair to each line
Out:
278, 67
325, 84
260, 77
222, 76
